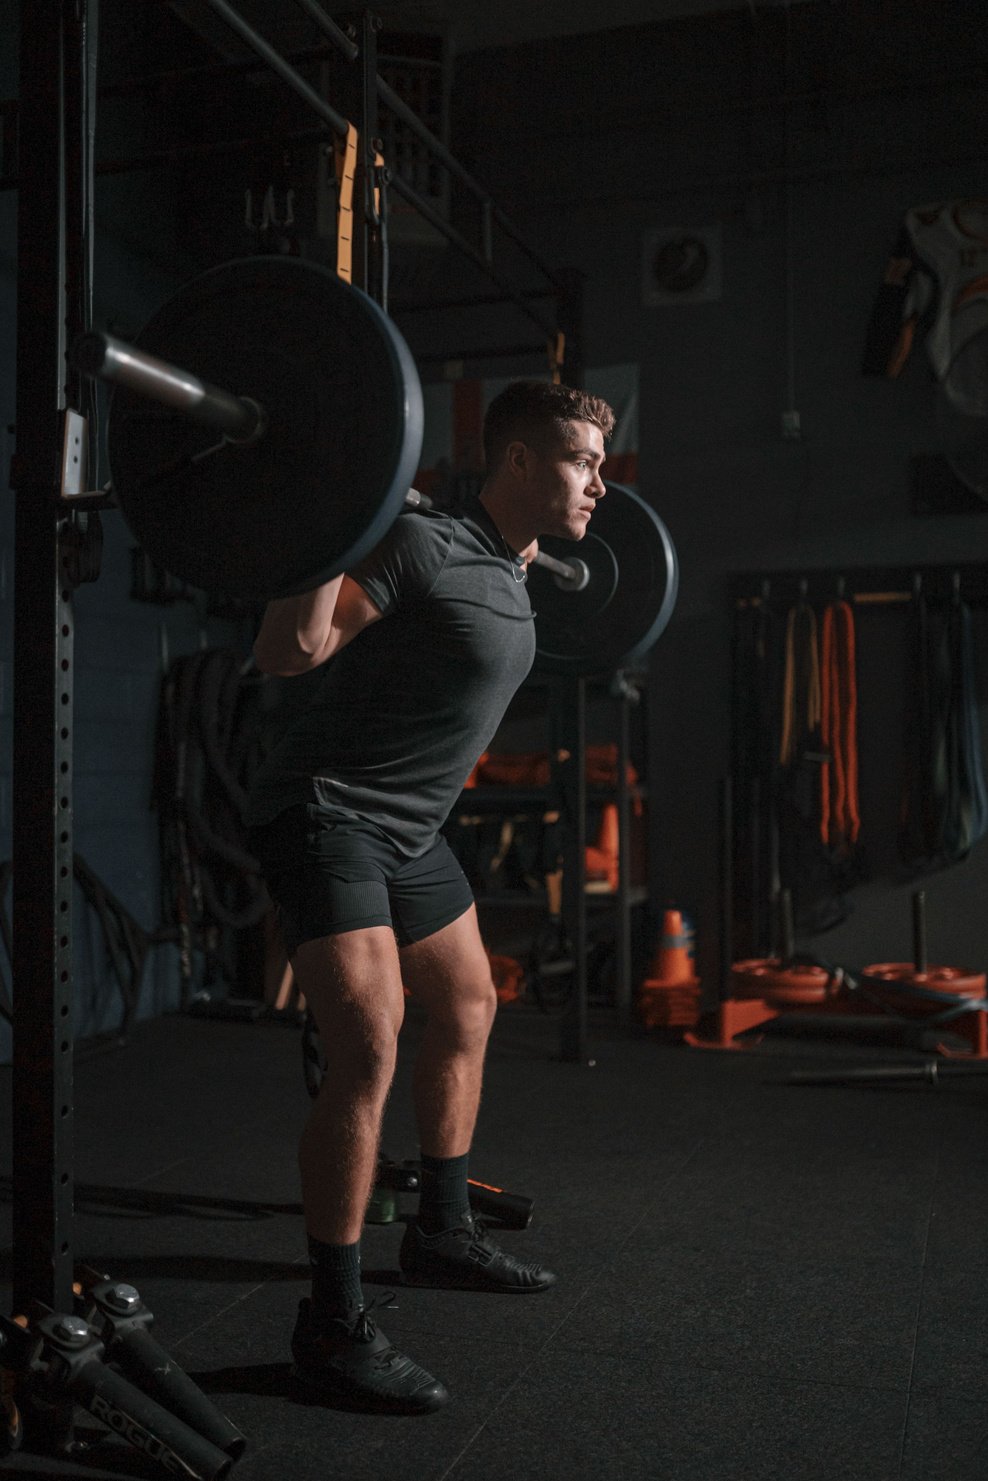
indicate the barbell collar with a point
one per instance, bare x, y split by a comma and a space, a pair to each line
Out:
104, 357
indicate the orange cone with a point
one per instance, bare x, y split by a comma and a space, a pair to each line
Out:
607, 834
602, 856
669, 997
671, 964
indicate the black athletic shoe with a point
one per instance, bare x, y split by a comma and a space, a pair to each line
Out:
465, 1259
352, 1362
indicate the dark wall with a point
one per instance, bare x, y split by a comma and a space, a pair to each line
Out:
802, 138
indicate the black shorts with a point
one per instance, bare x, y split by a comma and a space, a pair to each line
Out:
328, 872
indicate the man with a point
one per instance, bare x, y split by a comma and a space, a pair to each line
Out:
425, 642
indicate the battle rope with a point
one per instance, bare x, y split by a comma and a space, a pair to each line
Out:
207, 749
126, 941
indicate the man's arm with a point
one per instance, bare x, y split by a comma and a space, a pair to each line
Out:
297, 634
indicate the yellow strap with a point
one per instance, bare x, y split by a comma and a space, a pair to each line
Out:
378, 168
556, 348
346, 165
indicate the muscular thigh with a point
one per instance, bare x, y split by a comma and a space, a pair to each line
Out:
352, 983
449, 970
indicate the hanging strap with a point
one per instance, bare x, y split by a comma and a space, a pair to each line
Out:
840, 821
944, 803
801, 682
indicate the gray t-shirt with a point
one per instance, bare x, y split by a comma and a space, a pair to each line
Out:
406, 708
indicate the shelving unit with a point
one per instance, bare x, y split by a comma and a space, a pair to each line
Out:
570, 798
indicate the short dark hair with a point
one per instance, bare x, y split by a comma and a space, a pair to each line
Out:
526, 410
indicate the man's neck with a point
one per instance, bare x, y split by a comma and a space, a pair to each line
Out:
515, 530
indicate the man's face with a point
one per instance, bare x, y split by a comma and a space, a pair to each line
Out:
564, 481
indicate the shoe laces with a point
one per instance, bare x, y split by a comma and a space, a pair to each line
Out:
365, 1328
479, 1230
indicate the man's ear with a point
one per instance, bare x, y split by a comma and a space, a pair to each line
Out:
518, 458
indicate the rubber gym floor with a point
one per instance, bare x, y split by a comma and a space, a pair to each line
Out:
756, 1280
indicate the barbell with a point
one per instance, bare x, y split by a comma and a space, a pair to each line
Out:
273, 489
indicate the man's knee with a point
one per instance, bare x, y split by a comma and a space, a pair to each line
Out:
468, 1013
353, 987
371, 1048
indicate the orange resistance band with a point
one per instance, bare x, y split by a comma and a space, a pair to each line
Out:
801, 681
840, 821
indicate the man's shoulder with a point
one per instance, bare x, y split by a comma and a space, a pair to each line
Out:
424, 528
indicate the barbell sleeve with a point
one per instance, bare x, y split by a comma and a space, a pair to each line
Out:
104, 357
573, 574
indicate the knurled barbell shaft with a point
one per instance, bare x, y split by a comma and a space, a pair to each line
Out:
106, 358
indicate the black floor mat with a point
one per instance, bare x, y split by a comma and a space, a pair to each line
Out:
756, 1280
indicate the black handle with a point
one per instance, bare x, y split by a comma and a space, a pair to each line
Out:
511, 1209
145, 1361
115, 1401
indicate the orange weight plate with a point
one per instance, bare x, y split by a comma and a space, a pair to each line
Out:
904, 988
767, 978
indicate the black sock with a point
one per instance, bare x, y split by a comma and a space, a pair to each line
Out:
336, 1288
444, 1198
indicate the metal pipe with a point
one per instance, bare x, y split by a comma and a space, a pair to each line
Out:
487, 230
278, 64
439, 151
920, 957
569, 704
726, 886
400, 187
623, 992
50, 274
401, 110
173, 77
102, 357
565, 572
787, 933
329, 28
572, 573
